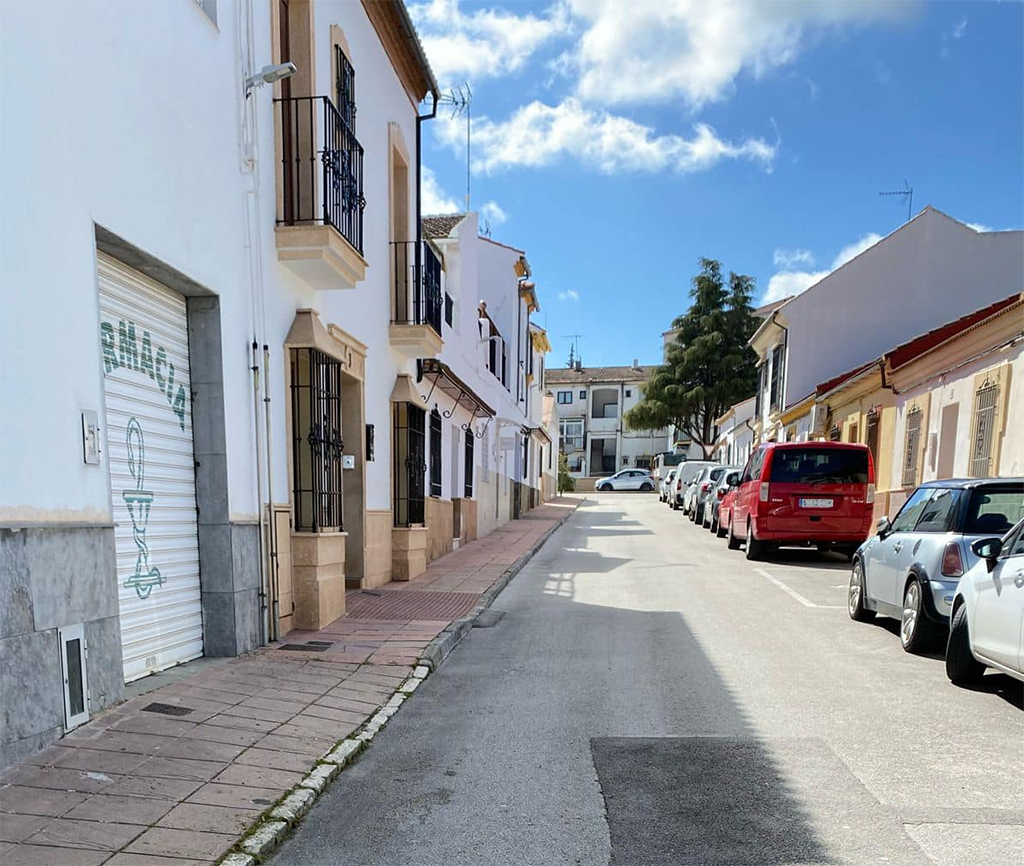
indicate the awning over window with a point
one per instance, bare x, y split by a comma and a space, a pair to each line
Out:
442, 378
539, 432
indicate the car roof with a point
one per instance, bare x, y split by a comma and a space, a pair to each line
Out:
970, 483
815, 444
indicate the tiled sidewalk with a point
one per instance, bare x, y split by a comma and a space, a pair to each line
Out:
177, 775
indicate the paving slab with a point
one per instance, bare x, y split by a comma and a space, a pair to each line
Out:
210, 819
117, 808
45, 855
92, 835
158, 841
237, 796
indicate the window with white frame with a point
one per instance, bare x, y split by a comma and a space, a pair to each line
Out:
564, 398
570, 433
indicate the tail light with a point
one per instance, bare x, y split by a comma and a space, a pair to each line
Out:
721, 492
871, 495
704, 487
763, 494
679, 484
952, 564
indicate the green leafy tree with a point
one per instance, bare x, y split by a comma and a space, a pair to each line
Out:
566, 482
710, 366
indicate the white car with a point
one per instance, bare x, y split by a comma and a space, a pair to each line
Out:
666, 485
627, 479
987, 625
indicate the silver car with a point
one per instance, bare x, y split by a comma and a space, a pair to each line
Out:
666, 485
911, 568
702, 488
730, 477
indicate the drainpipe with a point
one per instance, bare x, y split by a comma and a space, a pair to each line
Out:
420, 118
272, 578
264, 575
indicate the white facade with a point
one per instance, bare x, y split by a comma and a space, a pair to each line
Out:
178, 179
591, 404
736, 436
931, 270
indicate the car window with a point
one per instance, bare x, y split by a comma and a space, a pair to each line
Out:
717, 473
939, 513
732, 478
994, 511
912, 509
813, 465
1014, 545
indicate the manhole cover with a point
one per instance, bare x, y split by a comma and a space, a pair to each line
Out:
310, 647
166, 709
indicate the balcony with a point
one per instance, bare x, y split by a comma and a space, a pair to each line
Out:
415, 329
319, 234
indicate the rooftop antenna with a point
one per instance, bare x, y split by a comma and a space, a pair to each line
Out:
574, 352
907, 194
460, 99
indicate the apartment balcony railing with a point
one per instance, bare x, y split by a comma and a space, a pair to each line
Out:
320, 179
416, 297
568, 444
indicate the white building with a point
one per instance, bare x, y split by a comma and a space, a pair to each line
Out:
591, 402
929, 271
255, 396
736, 435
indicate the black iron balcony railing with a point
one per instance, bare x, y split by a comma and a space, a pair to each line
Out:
321, 174
416, 273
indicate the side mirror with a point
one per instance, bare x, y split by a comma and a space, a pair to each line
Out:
988, 549
883, 527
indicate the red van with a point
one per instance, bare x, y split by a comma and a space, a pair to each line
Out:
819, 493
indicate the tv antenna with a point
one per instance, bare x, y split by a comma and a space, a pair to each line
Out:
907, 194
574, 351
461, 99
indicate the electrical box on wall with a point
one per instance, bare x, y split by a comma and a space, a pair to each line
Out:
348, 461
90, 437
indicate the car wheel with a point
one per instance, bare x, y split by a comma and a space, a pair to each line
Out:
714, 523
697, 515
646, 488
720, 531
755, 548
916, 630
855, 598
732, 542
962, 667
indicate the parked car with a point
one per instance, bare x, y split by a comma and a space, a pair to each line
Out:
685, 473
703, 491
910, 569
666, 485
726, 506
690, 494
819, 493
988, 611
626, 479
729, 477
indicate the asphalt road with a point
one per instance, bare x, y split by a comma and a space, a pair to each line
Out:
650, 697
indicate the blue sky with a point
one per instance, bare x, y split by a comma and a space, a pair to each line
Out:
618, 142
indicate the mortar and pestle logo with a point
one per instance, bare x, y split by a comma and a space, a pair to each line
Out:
139, 502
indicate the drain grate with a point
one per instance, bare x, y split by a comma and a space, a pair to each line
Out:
311, 647
167, 709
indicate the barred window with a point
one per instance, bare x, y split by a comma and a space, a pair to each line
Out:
435, 452
316, 441
776, 380
985, 399
871, 435
345, 88
468, 457
409, 466
912, 447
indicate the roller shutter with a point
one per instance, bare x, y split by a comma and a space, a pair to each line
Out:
144, 344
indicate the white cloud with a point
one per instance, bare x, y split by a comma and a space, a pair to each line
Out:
661, 50
486, 43
435, 199
960, 29
979, 227
790, 282
537, 134
570, 295
789, 258
493, 213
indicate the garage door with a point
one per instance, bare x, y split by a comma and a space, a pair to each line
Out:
144, 344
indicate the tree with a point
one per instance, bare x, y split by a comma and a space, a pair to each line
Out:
710, 366
565, 481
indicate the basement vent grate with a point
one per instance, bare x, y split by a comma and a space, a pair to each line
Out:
369, 592
167, 709
311, 647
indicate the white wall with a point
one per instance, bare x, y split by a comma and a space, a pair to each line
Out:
930, 271
98, 130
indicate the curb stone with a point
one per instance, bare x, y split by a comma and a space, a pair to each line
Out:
262, 839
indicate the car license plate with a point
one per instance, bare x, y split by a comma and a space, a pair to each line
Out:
815, 503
